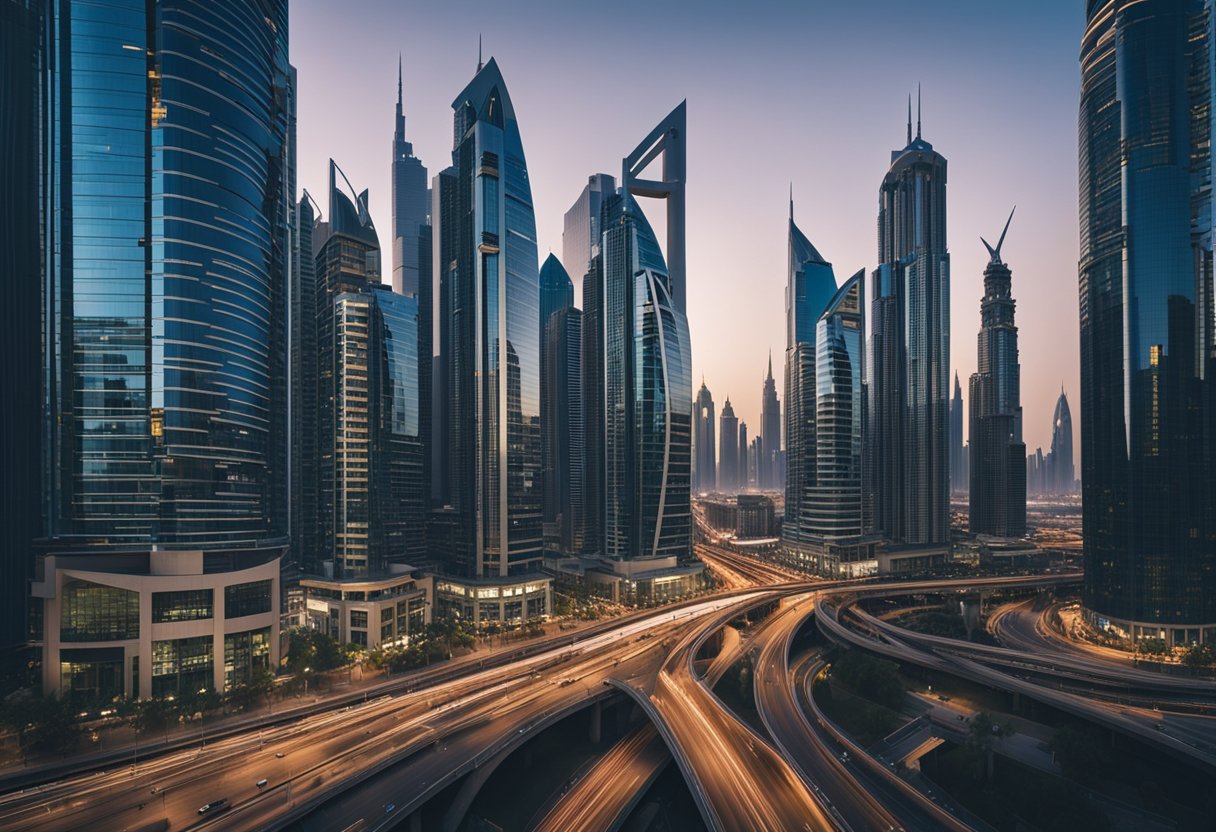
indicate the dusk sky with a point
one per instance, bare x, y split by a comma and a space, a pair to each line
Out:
812, 93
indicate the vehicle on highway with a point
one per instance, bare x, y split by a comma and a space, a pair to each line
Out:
214, 806
261, 784
279, 754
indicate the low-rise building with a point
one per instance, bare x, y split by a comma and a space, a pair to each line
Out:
155, 623
370, 612
508, 601
755, 517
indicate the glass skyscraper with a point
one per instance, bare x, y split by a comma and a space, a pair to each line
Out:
728, 449
581, 227
487, 278
565, 458
556, 294
166, 305
1147, 317
908, 481
997, 501
767, 464
705, 472
1062, 470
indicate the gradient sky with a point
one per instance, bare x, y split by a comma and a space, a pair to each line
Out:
813, 93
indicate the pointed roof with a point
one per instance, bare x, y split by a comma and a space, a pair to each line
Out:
553, 274
486, 92
994, 254
770, 364
801, 249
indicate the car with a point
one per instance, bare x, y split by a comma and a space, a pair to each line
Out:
279, 754
388, 810
214, 806
261, 784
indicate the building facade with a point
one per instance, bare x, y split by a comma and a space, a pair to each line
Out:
1146, 300
556, 294
997, 504
581, 229
705, 469
166, 301
909, 466
565, 454
489, 339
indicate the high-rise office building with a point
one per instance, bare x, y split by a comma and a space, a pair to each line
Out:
594, 419
647, 374
305, 553
770, 432
908, 476
22, 81
1146, 297
565, 458
810, 286
411, 207
705, 431
165, 318
1062, 478
958, 457
581, 231
728, 449
997, 503
556, 293
411, 201
347, 265
489, 339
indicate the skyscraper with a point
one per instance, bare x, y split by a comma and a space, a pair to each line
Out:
556, 294
770, 432
705, 427
411, 206
594, 419
647, 360
306, 532
581, 231
489, 299
998, 486
411, 200
909, 474
166, 310
958, 457
742, 472
1063, 473
810, 286
728, 449
22, 81
565, 459
1146, 297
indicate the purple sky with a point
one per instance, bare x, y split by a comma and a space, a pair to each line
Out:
810, 92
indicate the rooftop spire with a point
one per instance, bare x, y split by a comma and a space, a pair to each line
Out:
398, 80
994, 254
909, 118
479, 63
918, 111
770, 362
791, 200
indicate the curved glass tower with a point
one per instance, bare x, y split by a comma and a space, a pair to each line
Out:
1063, 473
166, 297
810, 287
1145, 282
704, 433
490, 338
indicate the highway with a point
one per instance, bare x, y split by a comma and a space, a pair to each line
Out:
322, 753
602, 799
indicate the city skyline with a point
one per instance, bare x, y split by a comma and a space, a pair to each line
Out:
1022, 151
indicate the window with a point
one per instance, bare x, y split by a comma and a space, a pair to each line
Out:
187, 605
247, 599
93, 612
181, 667
358, 618
91, 674
359, 637
386, 614
244, 653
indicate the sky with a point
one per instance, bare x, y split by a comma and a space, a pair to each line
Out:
808, 94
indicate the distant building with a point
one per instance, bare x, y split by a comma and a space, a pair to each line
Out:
1062, 474
756, 516
770, 431
728, 449
705, 470
565, 459
745, 473
997, 496
370, 612
581, 232
959, 459
557, 294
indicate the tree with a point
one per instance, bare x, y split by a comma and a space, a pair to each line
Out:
1079, 754
313, 649
1199, 655
874, 678
1153, 647
42, 723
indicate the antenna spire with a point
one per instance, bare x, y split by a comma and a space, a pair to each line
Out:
479, 63
791, 200
909, 118
994, 254
918, 111
398, 78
